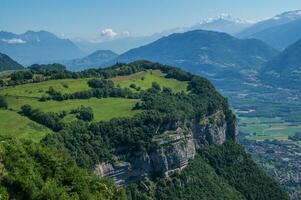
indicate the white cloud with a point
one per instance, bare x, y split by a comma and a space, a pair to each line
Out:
109, 34
14, 41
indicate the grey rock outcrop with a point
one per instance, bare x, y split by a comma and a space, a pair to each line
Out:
175, 148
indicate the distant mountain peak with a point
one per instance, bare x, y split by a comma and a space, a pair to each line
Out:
37, 47
6, 63
291, 15
95, 59
279, 31
225, 17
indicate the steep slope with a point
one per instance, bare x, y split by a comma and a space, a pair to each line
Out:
285, 69
36, 47
280, 36
33, 171
6, 63
212, 54
232, 175
277, 20
96, 59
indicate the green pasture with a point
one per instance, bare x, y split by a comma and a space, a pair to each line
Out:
145, 79
40, 89
104, 109
14, 125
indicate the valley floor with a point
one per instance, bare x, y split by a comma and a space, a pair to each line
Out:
268, 119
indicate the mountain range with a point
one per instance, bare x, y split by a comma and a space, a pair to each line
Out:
281, 36
279, 31
37, 47
223, 23
215, 55
285, 69
44, 47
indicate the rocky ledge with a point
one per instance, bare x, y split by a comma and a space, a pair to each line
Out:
176, 146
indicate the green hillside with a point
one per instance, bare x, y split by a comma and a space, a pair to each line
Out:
103, 109
40, 89
57, 127
14, 125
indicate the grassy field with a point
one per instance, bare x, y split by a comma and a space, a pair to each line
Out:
14, 125
260, 128
39, 89
104, 109
145, 79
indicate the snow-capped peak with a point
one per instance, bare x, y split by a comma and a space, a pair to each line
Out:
225, 17
291, 15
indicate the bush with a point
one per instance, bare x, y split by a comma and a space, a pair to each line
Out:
21, 75
85, 113
133, 85
96, 83
3, 103
156, 86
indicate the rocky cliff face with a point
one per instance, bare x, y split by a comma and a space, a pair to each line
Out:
175, 148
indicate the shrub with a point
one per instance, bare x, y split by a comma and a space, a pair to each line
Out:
3, 103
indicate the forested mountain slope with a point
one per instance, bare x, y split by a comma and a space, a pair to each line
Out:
218, 56
156, 131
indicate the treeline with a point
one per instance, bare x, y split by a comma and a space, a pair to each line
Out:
39, 73
50, 119
87, 94
38, 172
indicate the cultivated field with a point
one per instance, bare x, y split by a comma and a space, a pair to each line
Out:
260, 128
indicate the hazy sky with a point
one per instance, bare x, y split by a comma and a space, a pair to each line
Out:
87, 18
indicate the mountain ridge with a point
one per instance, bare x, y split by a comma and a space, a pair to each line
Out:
37, 47
285, 69
6, 63
213, 54
95, 59
270, 22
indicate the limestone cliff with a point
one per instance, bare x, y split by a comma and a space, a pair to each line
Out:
175, 147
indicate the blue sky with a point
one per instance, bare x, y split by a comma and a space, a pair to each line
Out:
87, 18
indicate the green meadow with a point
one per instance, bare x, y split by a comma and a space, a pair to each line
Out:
40, 89
103, 109
14, 125
145, 79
